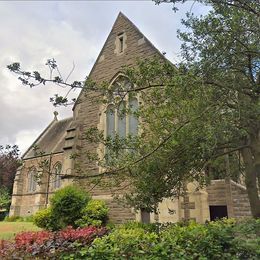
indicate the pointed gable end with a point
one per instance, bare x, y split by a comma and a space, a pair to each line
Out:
123, 46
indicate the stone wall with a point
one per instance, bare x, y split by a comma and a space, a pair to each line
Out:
217, 193
241, 206
25, 203
88, 111
231, 194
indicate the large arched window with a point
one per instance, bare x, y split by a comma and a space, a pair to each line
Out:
32, 182
56, 179
121, 119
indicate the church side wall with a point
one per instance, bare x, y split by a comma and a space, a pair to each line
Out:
25, 203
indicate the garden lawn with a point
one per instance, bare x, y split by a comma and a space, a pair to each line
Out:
8, 230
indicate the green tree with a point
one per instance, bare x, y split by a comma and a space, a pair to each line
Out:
67, 205
195, 116
5, 199
206, 109
9, 162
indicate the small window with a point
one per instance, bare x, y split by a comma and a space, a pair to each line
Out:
32, 183
120, 43
57, 177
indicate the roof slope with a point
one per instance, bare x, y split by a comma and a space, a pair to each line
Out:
51, 140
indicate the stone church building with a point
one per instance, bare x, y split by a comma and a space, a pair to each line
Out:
63, 138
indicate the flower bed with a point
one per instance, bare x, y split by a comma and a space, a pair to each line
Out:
49, 244
224, 239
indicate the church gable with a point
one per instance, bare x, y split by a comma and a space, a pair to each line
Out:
124, 45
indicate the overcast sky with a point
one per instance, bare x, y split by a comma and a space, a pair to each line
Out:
31, 32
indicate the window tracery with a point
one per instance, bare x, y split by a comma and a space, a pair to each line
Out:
121, 119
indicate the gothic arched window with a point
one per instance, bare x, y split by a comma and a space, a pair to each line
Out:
32, 183
121, 119
56, 180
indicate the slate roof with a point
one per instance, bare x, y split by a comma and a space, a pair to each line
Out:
52, 139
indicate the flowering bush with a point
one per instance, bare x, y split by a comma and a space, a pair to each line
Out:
27, 239
49, 244
84, 235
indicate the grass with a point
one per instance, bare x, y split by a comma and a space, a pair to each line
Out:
8, 230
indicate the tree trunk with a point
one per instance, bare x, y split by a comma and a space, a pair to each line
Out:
251, 160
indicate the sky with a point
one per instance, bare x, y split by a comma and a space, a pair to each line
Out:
71, 33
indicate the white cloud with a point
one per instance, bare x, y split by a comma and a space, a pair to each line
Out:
25, 137
32, 32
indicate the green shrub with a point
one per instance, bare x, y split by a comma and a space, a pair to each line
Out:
5, 198
246, 243
151, 227
2, 215
95, 213
67, 205
44, 219
197, 241
122, 244
225, 239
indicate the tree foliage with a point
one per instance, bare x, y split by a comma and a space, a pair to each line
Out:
67, 204
201, 116
9, 162
5, 199
241, 4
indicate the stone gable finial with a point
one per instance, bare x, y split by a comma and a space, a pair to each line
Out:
55, 115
